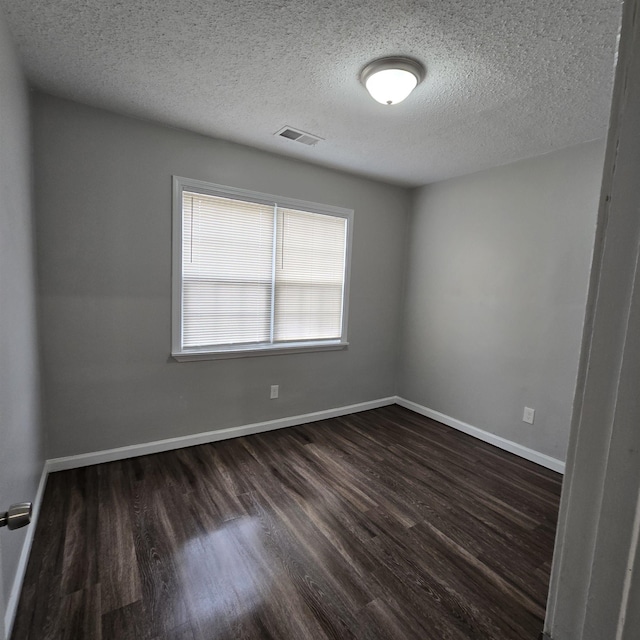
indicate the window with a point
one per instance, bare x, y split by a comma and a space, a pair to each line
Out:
256, 274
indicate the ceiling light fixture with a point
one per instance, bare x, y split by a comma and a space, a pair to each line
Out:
391, 80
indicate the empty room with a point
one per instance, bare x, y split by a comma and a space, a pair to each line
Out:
319, 320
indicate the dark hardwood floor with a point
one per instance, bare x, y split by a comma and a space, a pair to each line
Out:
382, 524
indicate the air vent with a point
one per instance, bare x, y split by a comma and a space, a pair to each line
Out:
298, 136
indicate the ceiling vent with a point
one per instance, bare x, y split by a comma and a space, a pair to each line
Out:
298, 136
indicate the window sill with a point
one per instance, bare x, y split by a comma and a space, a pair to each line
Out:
251, 350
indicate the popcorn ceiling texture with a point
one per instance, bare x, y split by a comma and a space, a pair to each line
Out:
506, 79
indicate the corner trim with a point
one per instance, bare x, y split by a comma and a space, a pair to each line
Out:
131, 451
502, 443
14, 596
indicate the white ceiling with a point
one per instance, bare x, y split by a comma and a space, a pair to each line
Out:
506, 79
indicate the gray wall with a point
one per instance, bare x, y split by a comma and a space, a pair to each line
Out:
21, 456
495, 269
497, 274
103, 207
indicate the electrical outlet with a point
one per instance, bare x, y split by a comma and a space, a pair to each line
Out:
275, 389
528, 415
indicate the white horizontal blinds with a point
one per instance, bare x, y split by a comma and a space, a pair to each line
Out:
227, 260
310, 267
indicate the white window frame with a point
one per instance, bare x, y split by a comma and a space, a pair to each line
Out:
238, 351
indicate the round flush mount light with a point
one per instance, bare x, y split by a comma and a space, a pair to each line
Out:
391, 80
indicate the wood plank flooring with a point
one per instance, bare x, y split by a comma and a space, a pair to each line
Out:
377, 525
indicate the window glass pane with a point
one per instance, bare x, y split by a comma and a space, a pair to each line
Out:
227, 254
310, 266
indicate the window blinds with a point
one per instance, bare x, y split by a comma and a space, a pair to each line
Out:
227, 248
256, 273
310, 255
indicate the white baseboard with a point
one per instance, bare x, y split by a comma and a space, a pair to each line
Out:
498, 441
121, 453
14, 596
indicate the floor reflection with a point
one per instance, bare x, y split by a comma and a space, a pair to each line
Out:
225, 573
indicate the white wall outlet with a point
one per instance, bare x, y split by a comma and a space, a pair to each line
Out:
275, 389
528, 415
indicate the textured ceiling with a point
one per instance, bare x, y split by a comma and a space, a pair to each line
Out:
506, 79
